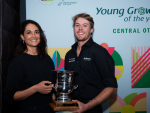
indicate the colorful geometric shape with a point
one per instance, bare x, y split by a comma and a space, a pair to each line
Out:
140, 67
117, 58
114, 106
129, 98
128, 109
57, 59
144, 81
137, 98
132, 103
117, 71
119, 68
105, 45
119, 99
140, 105
111, 50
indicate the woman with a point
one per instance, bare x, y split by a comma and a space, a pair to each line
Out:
30, 72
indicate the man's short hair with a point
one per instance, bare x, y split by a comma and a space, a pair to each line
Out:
85, 16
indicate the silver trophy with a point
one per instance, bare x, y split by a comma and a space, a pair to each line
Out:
65, 85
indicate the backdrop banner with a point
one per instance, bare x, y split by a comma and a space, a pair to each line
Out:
122, 27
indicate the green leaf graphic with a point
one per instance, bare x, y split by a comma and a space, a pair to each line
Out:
58, 58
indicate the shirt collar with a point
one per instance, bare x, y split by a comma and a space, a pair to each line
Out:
88, 43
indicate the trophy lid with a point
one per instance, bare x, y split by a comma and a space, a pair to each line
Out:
64, 71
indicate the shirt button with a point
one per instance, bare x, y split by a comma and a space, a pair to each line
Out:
77, 61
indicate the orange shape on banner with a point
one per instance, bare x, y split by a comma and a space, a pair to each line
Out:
105, 45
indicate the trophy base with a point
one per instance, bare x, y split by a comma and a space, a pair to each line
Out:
63, 106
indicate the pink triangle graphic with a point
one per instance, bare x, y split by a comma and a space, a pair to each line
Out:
117, 71
111, 50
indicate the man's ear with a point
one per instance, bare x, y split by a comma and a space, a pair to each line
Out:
92, 30
22, 37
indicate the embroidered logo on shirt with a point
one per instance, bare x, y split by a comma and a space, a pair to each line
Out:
71, 59
86, 59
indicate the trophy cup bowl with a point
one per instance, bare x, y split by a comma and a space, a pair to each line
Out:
64, 87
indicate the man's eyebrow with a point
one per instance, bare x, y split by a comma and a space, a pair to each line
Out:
83, 23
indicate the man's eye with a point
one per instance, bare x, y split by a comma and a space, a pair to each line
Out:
77, 25
85, 25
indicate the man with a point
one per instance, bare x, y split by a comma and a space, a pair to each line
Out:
95, 67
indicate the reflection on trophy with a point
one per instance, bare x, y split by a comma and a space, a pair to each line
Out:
64, 88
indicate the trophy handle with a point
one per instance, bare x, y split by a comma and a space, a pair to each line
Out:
75, 87
54, 88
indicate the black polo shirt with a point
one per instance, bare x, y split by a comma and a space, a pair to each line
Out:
95, 68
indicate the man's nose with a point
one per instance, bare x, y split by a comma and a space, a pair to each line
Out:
80, 27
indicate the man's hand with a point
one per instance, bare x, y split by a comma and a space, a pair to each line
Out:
82, 107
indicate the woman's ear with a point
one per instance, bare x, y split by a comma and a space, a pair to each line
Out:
22, 37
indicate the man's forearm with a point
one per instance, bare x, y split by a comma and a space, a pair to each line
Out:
102, 97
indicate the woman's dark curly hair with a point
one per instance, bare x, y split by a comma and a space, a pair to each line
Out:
41, 47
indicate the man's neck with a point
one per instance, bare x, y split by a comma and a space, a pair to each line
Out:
80, 44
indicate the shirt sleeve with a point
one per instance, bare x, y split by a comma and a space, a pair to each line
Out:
106, 68
53, 72
14, 81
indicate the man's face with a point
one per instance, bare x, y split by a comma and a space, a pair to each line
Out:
82, 29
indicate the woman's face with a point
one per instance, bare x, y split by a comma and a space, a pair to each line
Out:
31, 36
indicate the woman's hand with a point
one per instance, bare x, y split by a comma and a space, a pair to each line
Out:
44, 87
40, 87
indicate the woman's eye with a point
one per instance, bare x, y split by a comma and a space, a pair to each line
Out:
28, 32
37, 32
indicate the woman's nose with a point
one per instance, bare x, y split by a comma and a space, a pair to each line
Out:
33, 35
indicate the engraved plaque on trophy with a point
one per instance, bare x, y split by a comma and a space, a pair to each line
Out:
64, 88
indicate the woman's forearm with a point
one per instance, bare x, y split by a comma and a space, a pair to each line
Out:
20, 95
